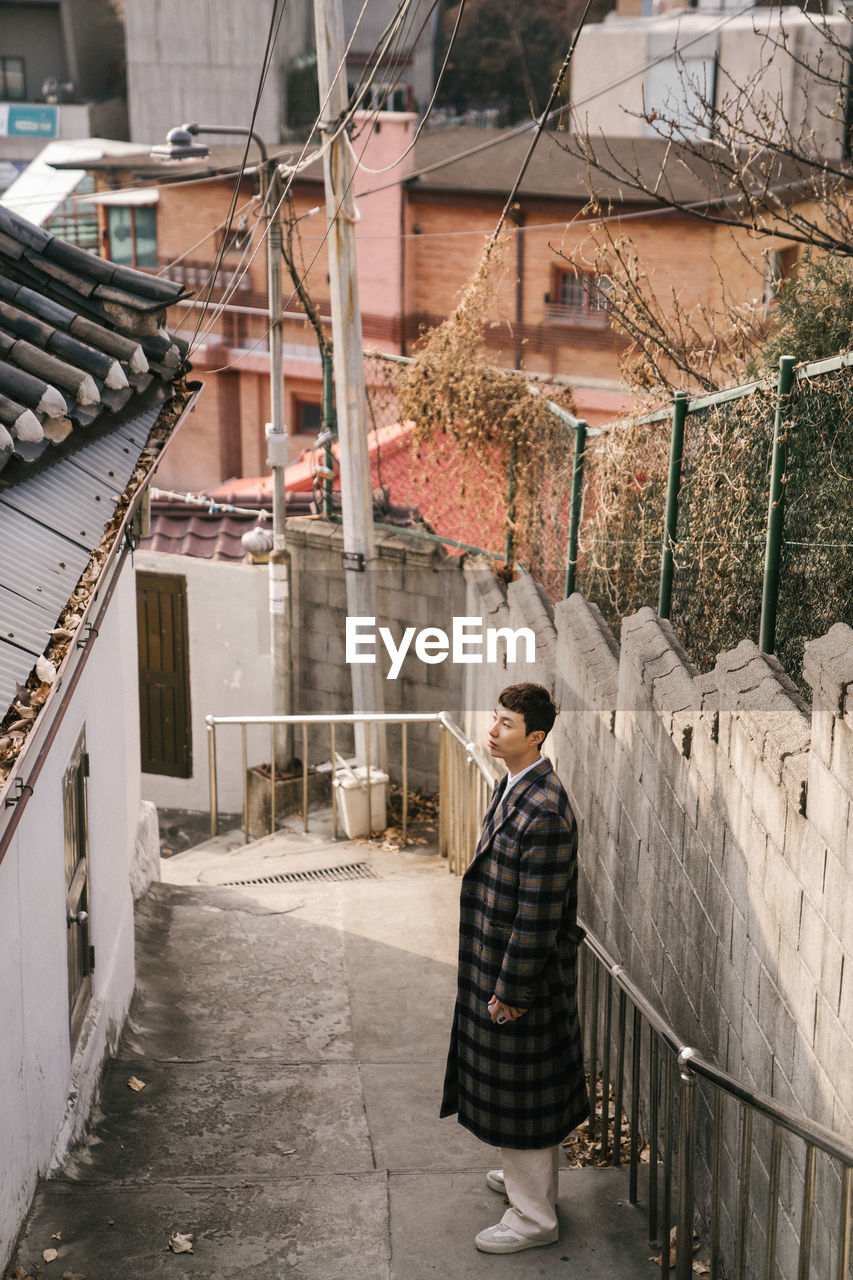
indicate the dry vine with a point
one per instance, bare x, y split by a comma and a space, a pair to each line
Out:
491, 415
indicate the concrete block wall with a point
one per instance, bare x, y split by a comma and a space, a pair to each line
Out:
418, 586
521, 604
715, 835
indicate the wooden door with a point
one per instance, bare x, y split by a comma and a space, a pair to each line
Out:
164, 675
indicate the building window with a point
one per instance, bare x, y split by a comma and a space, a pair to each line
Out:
132, 235
778, 265
76, 220
578, 298
309, 417
13, 81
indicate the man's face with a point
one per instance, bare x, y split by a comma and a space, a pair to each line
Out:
508, 738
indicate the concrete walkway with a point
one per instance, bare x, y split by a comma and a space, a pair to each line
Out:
291, 1040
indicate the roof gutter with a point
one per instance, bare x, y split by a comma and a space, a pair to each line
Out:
18, 789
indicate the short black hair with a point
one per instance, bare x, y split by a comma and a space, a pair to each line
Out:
534, 702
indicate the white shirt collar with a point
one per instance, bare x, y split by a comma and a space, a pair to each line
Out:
512, 778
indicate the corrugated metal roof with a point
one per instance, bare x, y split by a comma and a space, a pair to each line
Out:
24, 625
57, 499
49, 526
68, 500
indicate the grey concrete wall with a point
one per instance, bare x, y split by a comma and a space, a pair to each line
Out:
714, 815
417, 585
716, 841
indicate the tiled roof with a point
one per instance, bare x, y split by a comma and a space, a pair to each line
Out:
86, 369
181, 528
78, 336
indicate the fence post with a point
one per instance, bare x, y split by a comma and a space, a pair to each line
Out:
776, 512
328, 425
673, 484
509, 553
686, 1153
211, 764
577, 499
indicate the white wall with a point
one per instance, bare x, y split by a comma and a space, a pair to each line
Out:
228, 620
45, 1094
742, 46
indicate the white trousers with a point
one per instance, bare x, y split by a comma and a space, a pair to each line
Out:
531, 1188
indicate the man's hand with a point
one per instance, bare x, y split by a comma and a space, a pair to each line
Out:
496, 1008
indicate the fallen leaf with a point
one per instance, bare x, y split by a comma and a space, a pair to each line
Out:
45, 670
180, 1243
244, 1183
290, 1152
135, 1084
72, 1275
50, 1255
57, 1235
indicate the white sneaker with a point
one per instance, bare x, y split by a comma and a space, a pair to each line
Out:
495, 1180
501, 1239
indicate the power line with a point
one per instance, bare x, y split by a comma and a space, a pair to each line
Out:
527, 125
341, 126
272, 36
431, 104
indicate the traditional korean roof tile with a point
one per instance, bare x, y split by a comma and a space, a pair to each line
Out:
87, 374
78, 336
182, 529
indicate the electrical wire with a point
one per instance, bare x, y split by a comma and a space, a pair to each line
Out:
421, 124
527, 125
341, 126
272, 35
293, 170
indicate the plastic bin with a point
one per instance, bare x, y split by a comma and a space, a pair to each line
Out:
351, 787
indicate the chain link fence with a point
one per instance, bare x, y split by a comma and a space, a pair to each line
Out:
721, 487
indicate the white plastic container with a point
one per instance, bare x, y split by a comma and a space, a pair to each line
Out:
351, 786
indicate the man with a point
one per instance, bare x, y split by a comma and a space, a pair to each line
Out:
515, 1068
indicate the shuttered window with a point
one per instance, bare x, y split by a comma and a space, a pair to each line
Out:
81, 957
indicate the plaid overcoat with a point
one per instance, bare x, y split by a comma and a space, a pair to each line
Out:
521, 1084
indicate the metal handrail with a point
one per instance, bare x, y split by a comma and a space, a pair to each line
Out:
451, 733
692, 1067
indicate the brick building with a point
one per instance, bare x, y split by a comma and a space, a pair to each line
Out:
425, 214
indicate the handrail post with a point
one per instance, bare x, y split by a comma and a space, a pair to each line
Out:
673, 485
687, 1142
577, 499
776, 511
214, 796
405, 766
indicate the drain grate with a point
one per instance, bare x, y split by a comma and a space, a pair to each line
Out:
352, 871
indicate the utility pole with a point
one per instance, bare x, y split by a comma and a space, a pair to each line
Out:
277, 451
356, 495
180, 146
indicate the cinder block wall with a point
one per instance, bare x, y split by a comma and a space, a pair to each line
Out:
716, 863
716, 866
419, 586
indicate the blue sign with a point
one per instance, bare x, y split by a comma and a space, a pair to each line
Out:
31, 122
